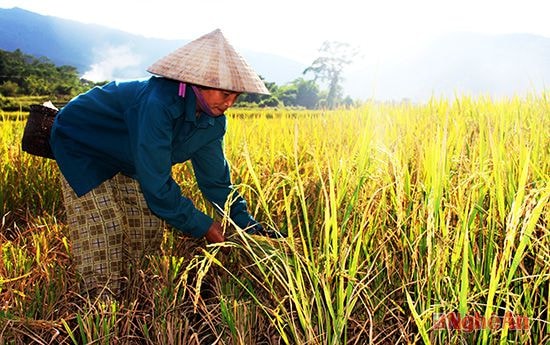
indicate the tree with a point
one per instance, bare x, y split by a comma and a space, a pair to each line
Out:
251, 99
307, 94
299, 93
328, 67
287, 94
9, 88
37, 76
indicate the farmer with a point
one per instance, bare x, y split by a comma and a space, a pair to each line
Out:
115, 146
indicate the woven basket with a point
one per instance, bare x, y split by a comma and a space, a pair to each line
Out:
36, 136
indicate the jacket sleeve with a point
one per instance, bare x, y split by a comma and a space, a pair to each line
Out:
212, 174
151, 144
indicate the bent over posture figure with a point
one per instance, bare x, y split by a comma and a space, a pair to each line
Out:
115, 146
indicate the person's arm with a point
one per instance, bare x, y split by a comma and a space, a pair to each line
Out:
151, 144
213, 177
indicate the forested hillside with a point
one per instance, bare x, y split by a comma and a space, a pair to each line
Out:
23, 74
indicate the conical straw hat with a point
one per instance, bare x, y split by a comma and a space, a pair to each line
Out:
210, 61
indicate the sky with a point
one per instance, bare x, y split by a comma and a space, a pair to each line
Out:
381, 29
387, 33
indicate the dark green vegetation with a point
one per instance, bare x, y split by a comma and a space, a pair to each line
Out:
24, 74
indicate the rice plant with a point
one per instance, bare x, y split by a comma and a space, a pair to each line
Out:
406, 223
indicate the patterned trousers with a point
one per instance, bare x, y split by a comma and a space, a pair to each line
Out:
110, 229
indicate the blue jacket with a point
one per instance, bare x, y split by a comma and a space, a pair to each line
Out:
141, 128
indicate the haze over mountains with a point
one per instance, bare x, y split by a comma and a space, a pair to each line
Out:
466, 63
495, 65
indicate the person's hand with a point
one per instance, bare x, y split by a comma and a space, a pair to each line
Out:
258, 229
215, 233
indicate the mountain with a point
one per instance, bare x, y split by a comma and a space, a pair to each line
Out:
459, 63
103, 53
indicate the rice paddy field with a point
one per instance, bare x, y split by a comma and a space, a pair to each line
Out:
407, 224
